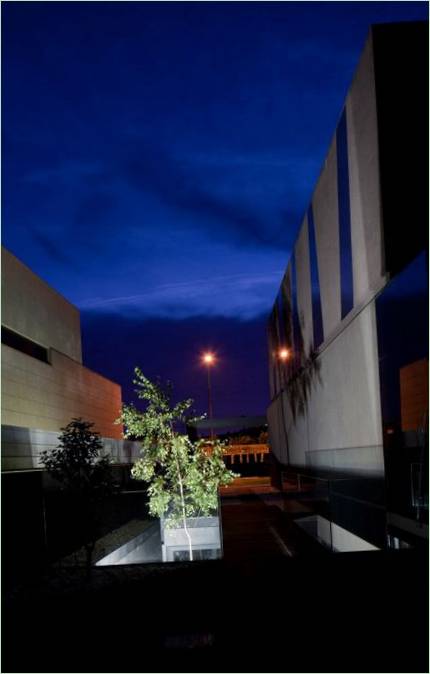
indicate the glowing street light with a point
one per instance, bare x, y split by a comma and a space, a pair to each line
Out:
284, 355
209, 360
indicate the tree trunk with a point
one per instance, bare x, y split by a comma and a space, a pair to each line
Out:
184, 517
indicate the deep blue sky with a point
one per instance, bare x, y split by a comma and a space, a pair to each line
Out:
157, 162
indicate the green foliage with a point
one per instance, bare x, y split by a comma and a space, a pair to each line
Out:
183, 476
78, 466
77, 462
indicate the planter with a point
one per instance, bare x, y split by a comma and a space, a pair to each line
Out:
206, 539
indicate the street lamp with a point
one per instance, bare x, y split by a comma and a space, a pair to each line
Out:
208, 359
284, 354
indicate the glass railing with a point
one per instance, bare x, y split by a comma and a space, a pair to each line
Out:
343, 514
310, 513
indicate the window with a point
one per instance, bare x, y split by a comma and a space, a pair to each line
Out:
23, 344
315, 283
198, 554
346, 280
297, 331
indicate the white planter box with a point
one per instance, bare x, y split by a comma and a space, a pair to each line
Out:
206, 540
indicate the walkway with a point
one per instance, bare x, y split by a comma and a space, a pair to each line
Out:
258, 523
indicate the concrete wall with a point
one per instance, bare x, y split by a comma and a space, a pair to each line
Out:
21, 447
33, 309
364, 184
276, 435
338, 538
304, 292
341, 428
326, 220
297, 434
342, 424
344, 413
39, 398
44, 396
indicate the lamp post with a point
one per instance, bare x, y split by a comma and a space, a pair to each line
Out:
209, 360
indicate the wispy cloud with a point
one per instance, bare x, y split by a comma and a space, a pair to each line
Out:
202, 187
242, 296
280, 160
183, 186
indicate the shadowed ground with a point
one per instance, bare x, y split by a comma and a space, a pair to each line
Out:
258, 609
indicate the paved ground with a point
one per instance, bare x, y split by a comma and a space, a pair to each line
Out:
248, 485
255, 529
257, 610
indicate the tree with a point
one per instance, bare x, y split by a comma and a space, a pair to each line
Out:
183, 476
77, 464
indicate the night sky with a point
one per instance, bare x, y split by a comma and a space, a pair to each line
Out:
157, 162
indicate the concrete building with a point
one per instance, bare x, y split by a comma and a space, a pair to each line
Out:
351, 310
44, 382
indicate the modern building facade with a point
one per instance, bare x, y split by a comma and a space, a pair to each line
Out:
44, 382
349, 394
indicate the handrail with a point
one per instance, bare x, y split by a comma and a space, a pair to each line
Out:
246, 450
